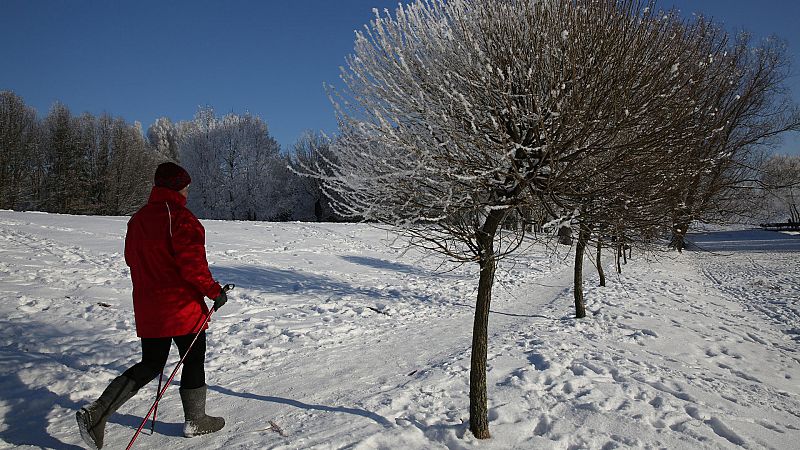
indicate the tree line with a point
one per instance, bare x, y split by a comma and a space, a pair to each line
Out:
102, 165
70, 164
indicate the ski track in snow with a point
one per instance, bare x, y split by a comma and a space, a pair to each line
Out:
343, 340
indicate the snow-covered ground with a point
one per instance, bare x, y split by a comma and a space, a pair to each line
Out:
345, 341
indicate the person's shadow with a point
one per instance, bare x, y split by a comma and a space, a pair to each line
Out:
298, 404
26, 411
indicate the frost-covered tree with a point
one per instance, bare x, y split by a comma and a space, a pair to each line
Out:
162, 136
237, 168
781, 180
735, 107
750, 110
458, 115
313, 149
129, 174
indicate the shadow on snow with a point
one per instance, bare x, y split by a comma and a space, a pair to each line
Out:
754, 240
382, 264
27, 411
492, 311
298, 404
294, 282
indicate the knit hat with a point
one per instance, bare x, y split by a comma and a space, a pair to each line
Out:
171, 176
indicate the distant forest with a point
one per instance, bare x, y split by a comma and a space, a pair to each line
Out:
102, 165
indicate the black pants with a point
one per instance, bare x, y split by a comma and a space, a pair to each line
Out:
154, 356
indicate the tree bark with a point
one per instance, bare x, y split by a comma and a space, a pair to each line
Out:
478, 403
678, 241
794, 213
580, 249
683, 218
600, 271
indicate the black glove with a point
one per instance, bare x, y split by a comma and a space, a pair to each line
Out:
220, 300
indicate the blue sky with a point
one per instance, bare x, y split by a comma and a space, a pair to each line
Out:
146, 59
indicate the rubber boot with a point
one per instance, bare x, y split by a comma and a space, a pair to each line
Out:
92, 417
194, 412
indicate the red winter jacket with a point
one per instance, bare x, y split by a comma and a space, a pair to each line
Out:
165, 249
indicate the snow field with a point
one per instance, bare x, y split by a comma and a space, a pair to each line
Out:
344, 340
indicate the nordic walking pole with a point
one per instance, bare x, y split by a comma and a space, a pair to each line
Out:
227, 288
155, 411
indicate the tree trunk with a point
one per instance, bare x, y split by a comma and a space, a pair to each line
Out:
600, 271
478, 403
678, 241
318, 210
580, 249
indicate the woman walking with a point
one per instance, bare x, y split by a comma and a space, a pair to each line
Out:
165, 250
